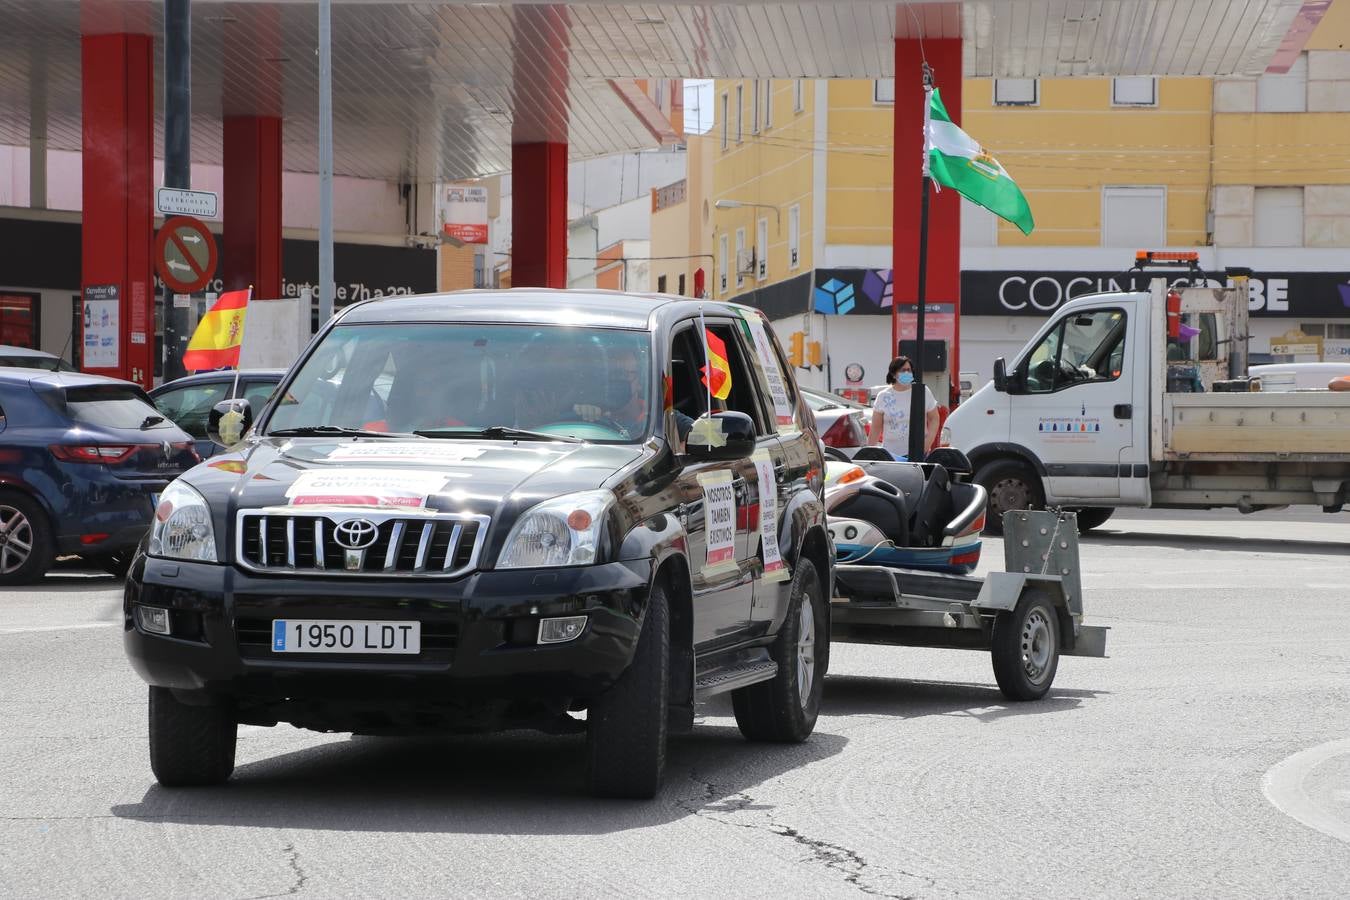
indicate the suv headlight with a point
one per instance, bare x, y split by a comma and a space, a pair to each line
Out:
182, 526
564, 531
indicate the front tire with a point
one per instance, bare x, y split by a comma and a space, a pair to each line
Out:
1090, 517
626, 725
115, 564
1010, 485
26, 544
784, 709
190, 746
1026, 648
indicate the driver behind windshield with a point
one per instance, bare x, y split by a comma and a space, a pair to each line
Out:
449, 378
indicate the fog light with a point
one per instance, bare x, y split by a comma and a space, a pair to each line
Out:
561, 630
153, 619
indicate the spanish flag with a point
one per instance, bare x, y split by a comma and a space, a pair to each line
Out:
215, 344
717, 373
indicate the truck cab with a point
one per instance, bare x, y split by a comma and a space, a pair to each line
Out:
1142, 399
1058, 424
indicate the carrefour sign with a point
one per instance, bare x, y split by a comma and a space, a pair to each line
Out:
1272, 294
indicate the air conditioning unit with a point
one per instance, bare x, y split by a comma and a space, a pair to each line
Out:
745, 262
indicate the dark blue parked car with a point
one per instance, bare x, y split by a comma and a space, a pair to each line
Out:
83, 459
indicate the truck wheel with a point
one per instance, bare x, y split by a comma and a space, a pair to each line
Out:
784, 709
1090, 517
1010, 485
626, 725
190, 746
1026, 648
25, 539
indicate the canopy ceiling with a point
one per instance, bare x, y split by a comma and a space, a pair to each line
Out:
437, 90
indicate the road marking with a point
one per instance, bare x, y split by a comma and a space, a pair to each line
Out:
57, 627
1283, 787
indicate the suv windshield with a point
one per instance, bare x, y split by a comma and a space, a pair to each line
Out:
446, 380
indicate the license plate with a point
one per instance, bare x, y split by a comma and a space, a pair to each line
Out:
343, 636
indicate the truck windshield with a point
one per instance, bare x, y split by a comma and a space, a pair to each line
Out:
449, 380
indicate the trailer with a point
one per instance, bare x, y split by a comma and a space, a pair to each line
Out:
1026, 617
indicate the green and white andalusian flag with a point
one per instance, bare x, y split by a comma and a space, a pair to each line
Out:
957, 161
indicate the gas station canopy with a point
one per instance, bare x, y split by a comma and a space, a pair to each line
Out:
440, 89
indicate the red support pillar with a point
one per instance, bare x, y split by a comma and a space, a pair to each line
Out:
539, 146
251, 249
117, 88
944, 211
539, 215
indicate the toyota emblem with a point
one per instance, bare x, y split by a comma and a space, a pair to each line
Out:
356, 534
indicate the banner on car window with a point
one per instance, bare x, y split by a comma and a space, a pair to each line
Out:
719, 521
774, 568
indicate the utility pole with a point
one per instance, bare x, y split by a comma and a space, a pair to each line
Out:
177, 153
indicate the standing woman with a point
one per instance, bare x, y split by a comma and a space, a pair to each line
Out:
890, 414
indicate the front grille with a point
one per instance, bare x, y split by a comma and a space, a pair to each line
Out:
254, 636
285, 542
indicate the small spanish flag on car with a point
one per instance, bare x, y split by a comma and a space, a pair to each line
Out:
215, 344
717, 373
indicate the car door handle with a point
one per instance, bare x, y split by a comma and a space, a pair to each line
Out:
1124, 411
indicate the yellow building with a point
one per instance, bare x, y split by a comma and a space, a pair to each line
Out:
1249, 171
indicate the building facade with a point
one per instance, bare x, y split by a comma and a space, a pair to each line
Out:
1246, 171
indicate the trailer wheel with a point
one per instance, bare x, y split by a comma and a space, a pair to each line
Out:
1010, 485
1026, 648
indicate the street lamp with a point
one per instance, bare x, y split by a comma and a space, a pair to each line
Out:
741, 204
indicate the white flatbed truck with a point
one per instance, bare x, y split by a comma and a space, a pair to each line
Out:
1103, 409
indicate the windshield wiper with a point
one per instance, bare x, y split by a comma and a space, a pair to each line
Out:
320, 430
496, 433
151, 420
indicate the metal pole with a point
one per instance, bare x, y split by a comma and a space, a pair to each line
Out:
918, 406
178, 93
177, 154
326, 283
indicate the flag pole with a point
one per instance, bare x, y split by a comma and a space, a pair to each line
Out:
234, 389
918, 406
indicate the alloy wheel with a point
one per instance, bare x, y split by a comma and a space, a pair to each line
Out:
16, 539
806, 650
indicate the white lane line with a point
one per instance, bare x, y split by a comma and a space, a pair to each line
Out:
34, 628
1283, 787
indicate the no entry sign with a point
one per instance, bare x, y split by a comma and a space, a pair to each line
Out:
185, 254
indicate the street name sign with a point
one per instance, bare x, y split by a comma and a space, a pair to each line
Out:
182, 202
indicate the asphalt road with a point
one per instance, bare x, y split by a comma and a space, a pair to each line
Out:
1208, 756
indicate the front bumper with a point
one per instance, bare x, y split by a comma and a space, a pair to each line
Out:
478, 633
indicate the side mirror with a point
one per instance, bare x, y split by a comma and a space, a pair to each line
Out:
229, 421
721, 435
1001, 375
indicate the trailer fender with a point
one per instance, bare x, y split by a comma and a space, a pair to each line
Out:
1002, 591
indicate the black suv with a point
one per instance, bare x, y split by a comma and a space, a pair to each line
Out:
492, 510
